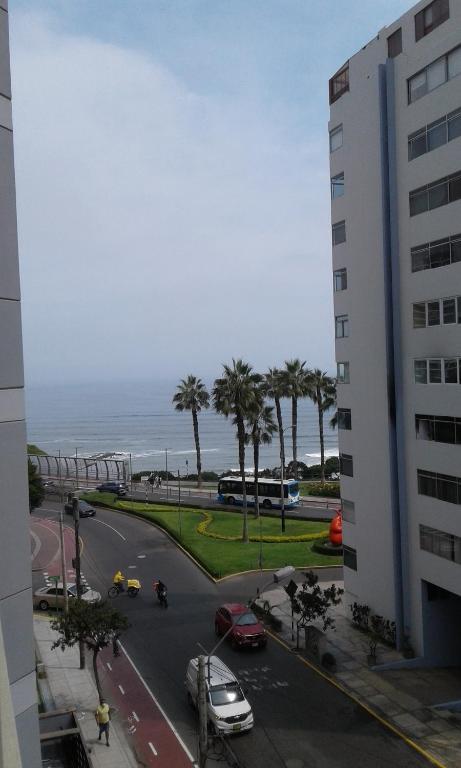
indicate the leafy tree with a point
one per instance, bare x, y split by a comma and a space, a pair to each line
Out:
261, 426
275, 389
192, 396
36, 489
236, 394
94, 625
312, 603
322, 392
34, 450
296, 380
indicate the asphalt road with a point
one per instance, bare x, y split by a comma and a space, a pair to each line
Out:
301, 720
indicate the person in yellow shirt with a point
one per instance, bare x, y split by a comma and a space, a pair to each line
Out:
118, 581
102, 716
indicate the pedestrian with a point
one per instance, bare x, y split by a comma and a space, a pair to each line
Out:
102, 716
159, 482
115, 648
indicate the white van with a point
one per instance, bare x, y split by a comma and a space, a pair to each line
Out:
228, 709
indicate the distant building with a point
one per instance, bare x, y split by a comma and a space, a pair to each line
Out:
395, 159
20, 700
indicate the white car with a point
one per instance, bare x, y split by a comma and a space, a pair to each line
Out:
228, 709
52, 597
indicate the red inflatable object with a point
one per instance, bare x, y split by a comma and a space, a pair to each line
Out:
336, 529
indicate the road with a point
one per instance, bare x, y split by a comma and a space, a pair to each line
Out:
302, 721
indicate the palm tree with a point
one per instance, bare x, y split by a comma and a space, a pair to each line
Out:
261, 426
236, 394
296, 380
322, 392
192, 396
274, 387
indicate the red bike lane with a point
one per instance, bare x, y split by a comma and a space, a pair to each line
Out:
46, 555
155, 740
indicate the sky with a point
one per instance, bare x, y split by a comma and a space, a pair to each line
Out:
172, 181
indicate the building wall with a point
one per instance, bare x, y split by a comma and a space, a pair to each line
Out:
15, 573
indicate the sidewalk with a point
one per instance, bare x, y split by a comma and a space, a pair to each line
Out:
403, 698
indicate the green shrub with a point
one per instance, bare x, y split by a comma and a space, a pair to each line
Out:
331, 490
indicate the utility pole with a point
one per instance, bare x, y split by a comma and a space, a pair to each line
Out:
166, 469
78, 577
282, 491
179, 505
63, 565
202, 713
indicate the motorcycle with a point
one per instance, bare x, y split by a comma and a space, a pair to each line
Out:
162, 595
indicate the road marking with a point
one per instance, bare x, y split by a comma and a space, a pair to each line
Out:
121, 689
161, 710
135, 716
93, 519
132, 566
140, 557
109, 667
152, 748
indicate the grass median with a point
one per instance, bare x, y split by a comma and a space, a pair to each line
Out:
221, 557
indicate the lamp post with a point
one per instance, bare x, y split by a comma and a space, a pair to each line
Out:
282, 479
166, 471
76, 466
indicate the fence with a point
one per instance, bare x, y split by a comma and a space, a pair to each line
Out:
80, 469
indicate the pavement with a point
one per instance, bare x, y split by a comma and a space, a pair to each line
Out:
402, 699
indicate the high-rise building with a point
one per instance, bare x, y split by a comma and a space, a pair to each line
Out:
395, 160
17, 658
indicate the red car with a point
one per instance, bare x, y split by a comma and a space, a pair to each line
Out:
246, 632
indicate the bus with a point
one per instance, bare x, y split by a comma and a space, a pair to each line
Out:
230, 491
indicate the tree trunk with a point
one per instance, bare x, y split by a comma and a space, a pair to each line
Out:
278, 411
96, 674
294, 433
322, 441
241, 439
197, 448
256, 463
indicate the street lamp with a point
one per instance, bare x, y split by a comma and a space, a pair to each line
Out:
282, 479
76, 465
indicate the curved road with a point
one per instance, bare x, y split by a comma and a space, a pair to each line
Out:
301, 721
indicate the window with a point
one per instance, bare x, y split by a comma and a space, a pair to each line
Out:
439, 543
348, 509
431, 17
342, 326
433, 313
451, 371
446, 311
344, 418
434, 74
339, 83
337, 186
434, 195
420, 371
449, 311
342, 373
440, 429
340, 279
336, 138
394, 43
439, 253
350, 557
339, 233
346, 465
438, 371
435, 371
419, 315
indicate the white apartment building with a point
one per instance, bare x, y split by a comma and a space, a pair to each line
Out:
395, 160
19, 739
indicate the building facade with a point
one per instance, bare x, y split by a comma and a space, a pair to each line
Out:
17, 648
395, 161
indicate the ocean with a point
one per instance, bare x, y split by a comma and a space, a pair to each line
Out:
138, 418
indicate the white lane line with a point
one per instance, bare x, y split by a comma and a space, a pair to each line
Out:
152, 748
93, 519
135, 716
109, 667
121, 689
161, 710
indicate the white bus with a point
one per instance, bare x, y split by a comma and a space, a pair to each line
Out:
230, 491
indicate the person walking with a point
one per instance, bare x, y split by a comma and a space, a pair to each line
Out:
115, 648
102, 716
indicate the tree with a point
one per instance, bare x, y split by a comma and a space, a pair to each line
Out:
261, 426
322, 392
36, 489
96, 625
236, 394
275, 388
192, 396
312, 603
296, 380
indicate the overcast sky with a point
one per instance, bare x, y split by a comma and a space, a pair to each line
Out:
172, 181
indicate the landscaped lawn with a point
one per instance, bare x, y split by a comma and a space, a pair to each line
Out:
225, 557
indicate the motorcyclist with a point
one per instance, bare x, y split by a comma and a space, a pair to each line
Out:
118, 581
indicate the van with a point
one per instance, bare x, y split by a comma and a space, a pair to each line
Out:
228, 709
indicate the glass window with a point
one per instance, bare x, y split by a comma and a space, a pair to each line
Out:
435, 371
418, 202
339, 232
339, 83
455, 188
394, 43
420, 259
350, 558
342, 371
421, 371
438, 194
439, 255
417, 86
340, 279
427, 483
454, 62
342, 326
458, 303
417, 144
454, 124
444, 430
431, 17
337, 186
455, 250
436, 134
447, 489
449, 311
336, 138
436, 73
348, 510
433, 313
419, 315
344, 418
346, 466
451, 371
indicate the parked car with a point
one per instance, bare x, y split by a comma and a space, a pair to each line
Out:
85, 510
228, 709
52, 597
246, 632
112, 487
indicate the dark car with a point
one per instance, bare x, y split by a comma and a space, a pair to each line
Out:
247, 631
112, 486
84, 509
